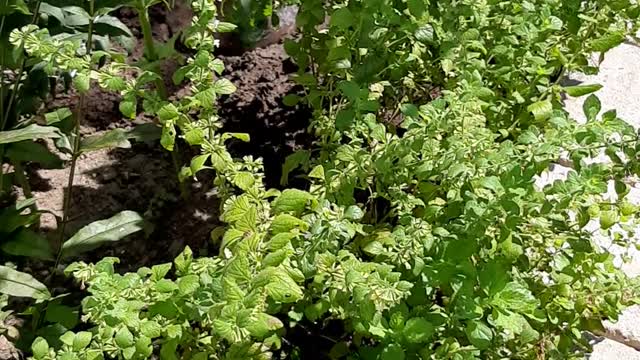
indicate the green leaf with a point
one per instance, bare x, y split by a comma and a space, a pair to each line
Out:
57, 115
581, 90
81, 340
285, 223
128, 109
541, 110
103, 231
28, 243
291, 100
392, 352
31, 132
591, 107
418, 330
425, 34
9, 7
112, 26
168, 137
40, 348
165, 286
124, 337
291, 201
116, 138
264, 325
224, 87
479, 334
515, 297
29, 151
188, 284
342, 18
607, 42
82, 82
244, 180
225, 27
345, 118
15, 283
350, 89
168, 112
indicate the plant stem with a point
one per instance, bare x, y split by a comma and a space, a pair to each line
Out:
175, 157
76, 145
4, 113
24, 183
149, 45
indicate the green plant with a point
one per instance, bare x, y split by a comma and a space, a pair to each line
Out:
423, 231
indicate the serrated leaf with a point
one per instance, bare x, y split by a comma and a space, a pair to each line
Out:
285, 223
541, 110
103, 231
15, 283
244, 180
224, 87
31, 132
188, 284
515, 297
581, 90
291, 201
82, 82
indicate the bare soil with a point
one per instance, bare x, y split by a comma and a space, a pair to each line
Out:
143, 178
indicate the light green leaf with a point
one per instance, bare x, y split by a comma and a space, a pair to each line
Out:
224, 87
40, 348
81, 340
581, 90
291, 201
188, 284
244, 180
285, 223
57, 115
31, 132
591, 107
541, 110
103, 231
264, 325
116, 138
342, 18
15, 283
607, 42
479, 334
124, 337
515, 297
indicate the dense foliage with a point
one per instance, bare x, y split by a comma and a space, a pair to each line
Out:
423, 231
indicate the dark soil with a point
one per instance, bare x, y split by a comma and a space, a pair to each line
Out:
262, 77
142, 178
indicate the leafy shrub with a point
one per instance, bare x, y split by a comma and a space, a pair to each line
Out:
424, 230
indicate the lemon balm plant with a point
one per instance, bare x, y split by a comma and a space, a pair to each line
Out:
423, 231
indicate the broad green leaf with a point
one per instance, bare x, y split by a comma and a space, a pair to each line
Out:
285, 223
418, 330
112, 26
392, 352
103, 231
31, 132
479, 334
81, 340
264, 325
244, 180
57, 115
291, 100
15, 283
165, 286
224, 87
28, 243
128, 109
40, 348
82, 82
291, 201
29, 151
342, 18
581, 90
516, 297
168, 112
541, 110
607, 42
116, 138
188, 284
124, 337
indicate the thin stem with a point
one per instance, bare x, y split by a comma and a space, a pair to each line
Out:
21, 177
175, 158
76, 145
4, 113
150, 47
